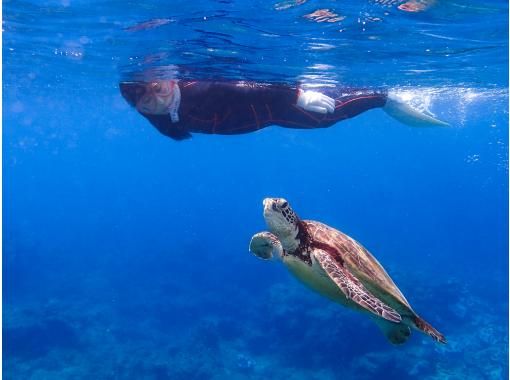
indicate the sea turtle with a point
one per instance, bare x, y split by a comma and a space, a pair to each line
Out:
337, 267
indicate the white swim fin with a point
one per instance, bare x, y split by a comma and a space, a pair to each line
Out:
410, 116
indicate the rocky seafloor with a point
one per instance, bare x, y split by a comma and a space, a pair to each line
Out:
123, 326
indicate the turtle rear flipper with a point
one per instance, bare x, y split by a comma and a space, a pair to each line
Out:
395, 333
265, 245
424, 326
353, 289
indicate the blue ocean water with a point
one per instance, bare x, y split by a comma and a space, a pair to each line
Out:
125, 254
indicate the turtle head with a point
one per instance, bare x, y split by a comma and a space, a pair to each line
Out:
282, 221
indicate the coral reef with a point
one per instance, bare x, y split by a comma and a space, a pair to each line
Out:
138, 331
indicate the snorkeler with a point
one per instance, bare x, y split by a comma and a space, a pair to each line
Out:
178, 108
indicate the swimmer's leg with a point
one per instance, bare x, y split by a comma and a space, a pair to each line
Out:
408, 115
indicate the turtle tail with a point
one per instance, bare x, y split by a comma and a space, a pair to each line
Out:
424, 326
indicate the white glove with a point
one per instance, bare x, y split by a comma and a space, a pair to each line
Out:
315, 102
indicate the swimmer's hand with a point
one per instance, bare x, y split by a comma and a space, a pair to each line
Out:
315, 102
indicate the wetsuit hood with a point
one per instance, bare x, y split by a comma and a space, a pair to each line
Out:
132, 91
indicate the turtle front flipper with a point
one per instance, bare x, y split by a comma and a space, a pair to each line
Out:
353, 289
265, 245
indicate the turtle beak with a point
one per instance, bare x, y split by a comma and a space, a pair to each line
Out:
269, 206
132, 91
267, 203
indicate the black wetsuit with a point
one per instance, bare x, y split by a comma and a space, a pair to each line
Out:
235, 107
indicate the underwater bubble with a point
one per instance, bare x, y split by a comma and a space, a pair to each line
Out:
72, 50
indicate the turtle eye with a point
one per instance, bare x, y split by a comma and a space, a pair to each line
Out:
156, 87
273, 206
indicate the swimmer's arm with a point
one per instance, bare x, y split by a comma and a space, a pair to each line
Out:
219, 95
